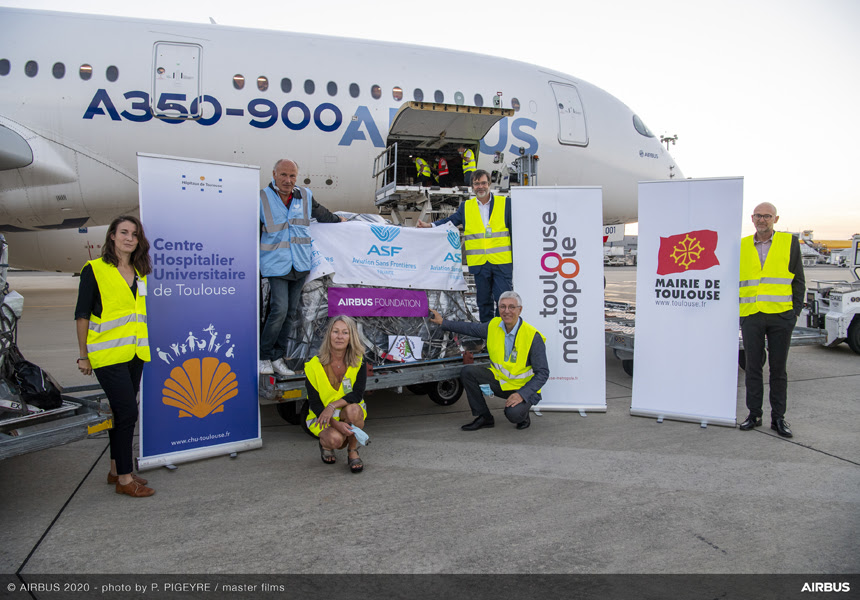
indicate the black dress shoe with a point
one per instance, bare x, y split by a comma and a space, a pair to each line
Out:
781, 427
524, 424
750, 423
480, 421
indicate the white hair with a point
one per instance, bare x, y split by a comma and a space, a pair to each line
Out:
513, 295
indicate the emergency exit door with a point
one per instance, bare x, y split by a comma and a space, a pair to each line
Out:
176, 81
571, 116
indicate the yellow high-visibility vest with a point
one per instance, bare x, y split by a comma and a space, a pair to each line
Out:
315, 372
511, 372
422, 167
767, 288
490, 244
120, 333
469, 163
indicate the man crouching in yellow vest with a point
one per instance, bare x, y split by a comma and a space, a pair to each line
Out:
771, 291
518, 365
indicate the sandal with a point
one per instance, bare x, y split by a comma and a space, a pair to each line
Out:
327, 456
355, 464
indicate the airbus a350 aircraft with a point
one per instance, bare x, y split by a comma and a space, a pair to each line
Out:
81, 95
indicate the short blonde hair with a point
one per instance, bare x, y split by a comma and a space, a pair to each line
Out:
354, 349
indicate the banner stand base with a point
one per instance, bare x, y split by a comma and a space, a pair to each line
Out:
702, 420
567, 408
171, 460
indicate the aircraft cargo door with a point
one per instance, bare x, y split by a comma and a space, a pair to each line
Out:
176, 81
571, 117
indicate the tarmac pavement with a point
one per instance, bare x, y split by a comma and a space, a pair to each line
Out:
606, 493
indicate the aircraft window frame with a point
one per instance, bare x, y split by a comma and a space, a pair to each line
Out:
376, 91
418, 95
58, 70
439, 96
31, 68
515, 104
641, 128
5, 67
459, 98
238, 81
86, 71
310, 87
286, 85
354, 90
397, 93
262, 83
331, 88
112, 73
479, 100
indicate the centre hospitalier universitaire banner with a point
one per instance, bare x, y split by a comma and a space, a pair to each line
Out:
199, 393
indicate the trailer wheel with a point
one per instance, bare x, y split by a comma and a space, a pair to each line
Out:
627, 365
445, 393
854, 334
419, 389
288, 412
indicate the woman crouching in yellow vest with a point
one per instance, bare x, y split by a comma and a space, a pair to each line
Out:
335, 381
113, 341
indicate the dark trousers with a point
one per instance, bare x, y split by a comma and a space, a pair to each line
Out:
472, 377
467, 178
284, 303
776, 328
490, 283
121, 383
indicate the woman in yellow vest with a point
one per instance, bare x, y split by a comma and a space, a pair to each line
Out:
112, 338
335, 381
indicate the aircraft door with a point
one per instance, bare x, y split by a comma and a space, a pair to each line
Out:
176, 81
571, 117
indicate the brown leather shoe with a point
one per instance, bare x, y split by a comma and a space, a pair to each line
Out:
134, 489
113, 479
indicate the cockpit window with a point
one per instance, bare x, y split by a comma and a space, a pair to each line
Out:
641, 127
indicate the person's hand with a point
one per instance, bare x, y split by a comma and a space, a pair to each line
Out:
84, 366
435, 317
343, 219
513, 400
326, 417
421, 224
342, 428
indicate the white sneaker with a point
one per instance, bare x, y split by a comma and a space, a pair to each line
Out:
266, 367
280, 367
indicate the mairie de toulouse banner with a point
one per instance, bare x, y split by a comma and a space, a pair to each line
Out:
199, 394
685, 357
558, 273
388, 255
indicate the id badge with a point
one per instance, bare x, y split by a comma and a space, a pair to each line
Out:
347, 385
488, 232
141, 288
514, 355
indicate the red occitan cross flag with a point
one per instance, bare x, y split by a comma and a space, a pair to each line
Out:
691, 251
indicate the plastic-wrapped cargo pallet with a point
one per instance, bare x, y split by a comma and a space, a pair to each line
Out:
369, 254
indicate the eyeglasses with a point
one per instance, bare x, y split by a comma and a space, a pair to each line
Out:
506, 308
762, 217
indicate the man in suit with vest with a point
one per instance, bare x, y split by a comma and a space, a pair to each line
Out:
772, 286
518, 365
285, 256
486, 221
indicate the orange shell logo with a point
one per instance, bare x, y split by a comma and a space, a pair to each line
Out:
200, 387
202, 178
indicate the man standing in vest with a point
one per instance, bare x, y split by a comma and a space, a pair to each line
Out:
518, 365
772, 286
469, 164
486, 221
285, 256
442, 173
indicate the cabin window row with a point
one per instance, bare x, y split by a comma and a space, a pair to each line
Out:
31, 69
309, 87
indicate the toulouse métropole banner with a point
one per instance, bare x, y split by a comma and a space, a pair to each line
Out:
199, 393
558, 273
686, 348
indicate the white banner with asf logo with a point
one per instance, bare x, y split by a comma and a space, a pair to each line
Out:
686, 350
558, 272
388, 256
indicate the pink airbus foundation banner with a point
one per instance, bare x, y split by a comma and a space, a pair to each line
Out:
377, 302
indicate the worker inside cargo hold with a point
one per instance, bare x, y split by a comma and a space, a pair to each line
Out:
335, 380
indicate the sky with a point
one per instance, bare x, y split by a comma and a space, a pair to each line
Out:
763, 89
